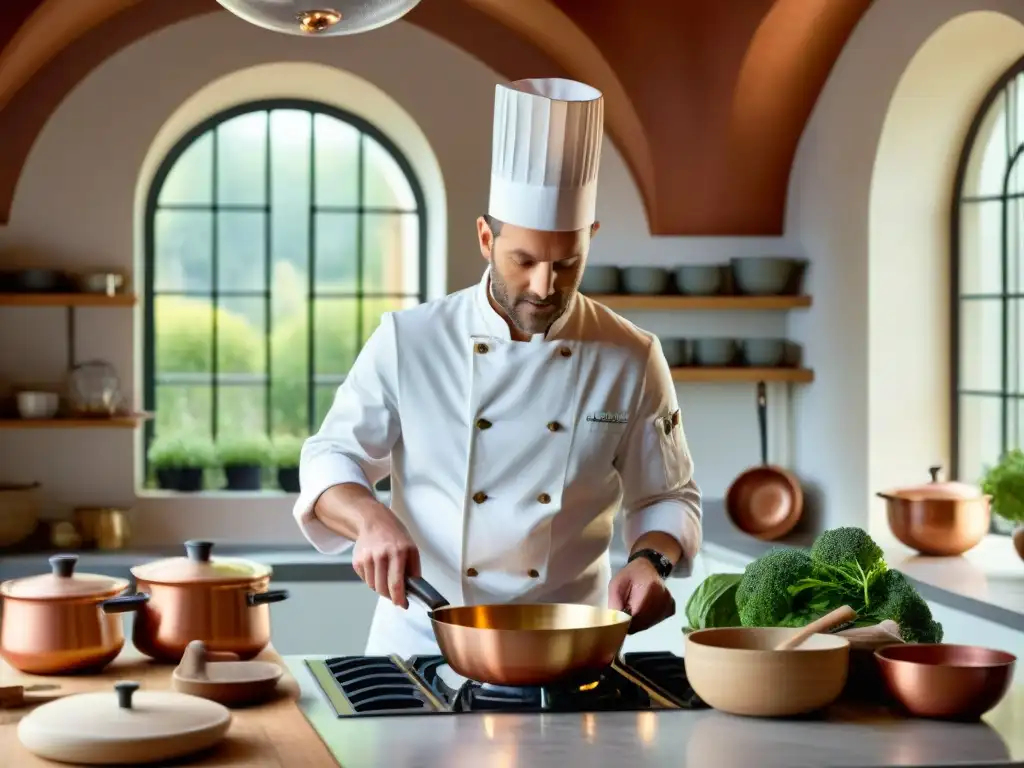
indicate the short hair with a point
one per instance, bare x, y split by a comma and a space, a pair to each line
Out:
494, 225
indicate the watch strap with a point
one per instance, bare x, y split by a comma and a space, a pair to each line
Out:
661, 563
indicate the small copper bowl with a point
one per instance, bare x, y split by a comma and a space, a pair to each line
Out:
950, 682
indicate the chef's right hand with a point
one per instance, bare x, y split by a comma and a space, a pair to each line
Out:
385, 554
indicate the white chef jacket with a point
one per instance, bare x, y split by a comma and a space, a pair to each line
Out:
508, 460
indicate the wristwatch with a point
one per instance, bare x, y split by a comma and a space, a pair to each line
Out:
661, 563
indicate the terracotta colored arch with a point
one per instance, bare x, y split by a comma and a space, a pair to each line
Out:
80, 36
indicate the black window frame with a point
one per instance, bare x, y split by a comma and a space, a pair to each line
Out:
1008, 87
152, 207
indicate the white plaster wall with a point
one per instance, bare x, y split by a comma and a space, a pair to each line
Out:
76, 203
878, 413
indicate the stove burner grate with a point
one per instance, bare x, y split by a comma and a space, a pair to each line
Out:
361, 685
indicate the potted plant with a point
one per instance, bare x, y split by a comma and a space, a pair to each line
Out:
1005, 484
179, 460
287, 449
243, 457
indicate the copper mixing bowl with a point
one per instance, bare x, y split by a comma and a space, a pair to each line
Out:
952, 682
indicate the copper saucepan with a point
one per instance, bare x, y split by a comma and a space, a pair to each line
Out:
222, 601
766, 501
523, 644
53, 624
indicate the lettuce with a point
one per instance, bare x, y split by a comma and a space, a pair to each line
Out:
713, 603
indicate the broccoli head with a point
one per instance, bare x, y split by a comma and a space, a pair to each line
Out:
896, 598
763, 596
841, 547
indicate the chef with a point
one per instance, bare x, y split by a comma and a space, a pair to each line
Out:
516, 417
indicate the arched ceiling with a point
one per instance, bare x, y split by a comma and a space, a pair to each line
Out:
706, 100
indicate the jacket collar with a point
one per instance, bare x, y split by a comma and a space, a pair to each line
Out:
496, 325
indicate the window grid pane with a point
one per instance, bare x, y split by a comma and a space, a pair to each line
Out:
988, 288
258, 290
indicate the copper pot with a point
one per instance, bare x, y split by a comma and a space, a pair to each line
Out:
221, 601
1018, 540
939, 518
52, 624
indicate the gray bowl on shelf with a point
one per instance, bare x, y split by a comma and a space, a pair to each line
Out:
763, 275
644, 281
764, 353
676, 351
599, 280
699, 279
715, 353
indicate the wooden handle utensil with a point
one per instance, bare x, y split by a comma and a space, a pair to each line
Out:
833, 619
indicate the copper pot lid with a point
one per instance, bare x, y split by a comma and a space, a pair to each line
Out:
198, 565
63, 583
936, 490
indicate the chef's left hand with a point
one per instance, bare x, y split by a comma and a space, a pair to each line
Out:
639, 591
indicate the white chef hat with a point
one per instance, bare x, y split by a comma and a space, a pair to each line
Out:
546, 153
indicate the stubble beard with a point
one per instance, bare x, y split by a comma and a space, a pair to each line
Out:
500, 292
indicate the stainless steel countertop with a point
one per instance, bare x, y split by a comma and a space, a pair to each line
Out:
702, 739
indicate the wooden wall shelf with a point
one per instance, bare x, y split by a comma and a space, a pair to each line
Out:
66, 300
117, 422
703, 303
738, 374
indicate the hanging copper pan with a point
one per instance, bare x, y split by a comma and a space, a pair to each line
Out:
765, 501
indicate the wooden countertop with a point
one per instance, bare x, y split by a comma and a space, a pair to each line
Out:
271, 734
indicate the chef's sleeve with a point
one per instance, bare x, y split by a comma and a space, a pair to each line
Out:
659, 492
353, 445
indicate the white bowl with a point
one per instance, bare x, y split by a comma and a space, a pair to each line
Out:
38, 405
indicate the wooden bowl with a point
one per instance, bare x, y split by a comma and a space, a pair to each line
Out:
949, 682
737, 670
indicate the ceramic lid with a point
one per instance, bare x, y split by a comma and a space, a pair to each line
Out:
937, 489
199, 565
112, 725
63, 582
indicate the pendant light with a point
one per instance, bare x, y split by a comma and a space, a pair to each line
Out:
319, 18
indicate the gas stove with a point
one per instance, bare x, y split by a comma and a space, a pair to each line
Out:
380, 686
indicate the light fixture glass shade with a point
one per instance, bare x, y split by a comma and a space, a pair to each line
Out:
319, 18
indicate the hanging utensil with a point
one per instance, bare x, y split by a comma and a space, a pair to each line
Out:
765, 501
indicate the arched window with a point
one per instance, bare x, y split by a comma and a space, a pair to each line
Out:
987, 305
277, 233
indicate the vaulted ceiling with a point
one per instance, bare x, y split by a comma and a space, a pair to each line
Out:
705, 99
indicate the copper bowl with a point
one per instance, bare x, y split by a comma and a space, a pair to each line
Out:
940, 519
1018, 541
950, 682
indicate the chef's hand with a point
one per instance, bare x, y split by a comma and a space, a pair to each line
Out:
385, 554
639, 591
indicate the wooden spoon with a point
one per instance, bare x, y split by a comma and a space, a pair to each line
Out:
833, 619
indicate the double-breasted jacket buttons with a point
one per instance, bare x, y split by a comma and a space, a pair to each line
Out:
565, 352
479, 497
554, 426
482, 348
544, 499
483, 424
534, 573
471, 572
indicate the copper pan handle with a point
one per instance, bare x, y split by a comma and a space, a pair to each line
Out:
762, 420
426, 594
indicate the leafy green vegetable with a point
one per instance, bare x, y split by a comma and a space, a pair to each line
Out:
1005, 484
763, 597
792, 587
713, 604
